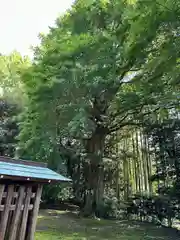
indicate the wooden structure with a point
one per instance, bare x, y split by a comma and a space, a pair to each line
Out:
20, 193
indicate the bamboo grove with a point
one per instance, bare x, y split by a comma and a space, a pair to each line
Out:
146, 169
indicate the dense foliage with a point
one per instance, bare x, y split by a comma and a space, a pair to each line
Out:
101, 105
8, 128
12, 99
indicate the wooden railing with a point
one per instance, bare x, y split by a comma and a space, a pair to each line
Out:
19, 206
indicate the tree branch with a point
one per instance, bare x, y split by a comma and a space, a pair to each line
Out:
119, 126
118, 113
122, 124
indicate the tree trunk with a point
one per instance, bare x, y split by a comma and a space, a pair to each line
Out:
94, 174
126, 172
118, 182
144, 161
149, 167
134, 164
138, 162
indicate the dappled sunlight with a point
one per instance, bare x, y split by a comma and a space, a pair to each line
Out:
64, 225
99, 104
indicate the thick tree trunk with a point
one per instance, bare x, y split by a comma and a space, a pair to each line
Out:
94, 174
88, 207
95, 191
99, 193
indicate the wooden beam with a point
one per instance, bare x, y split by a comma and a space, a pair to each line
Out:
16, 214
23, 180
13, 207
19, 161
34, 215
5, 214
25, 214
16, 194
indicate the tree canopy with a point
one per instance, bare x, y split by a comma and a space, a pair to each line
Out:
105, 66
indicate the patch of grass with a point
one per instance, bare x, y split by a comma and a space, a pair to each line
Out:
56, 225
51, 235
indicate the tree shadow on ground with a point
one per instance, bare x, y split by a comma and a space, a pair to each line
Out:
65, 225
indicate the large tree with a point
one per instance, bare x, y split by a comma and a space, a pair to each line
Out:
11, 68
105, 65
8, 127
12, 98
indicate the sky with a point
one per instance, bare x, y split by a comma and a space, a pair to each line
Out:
22, 20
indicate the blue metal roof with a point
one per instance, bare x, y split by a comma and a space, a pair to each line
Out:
28, 172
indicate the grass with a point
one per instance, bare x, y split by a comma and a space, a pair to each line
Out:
58, 225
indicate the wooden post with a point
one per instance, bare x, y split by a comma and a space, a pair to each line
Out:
1, 192
34, 215
6, 212
17, 214
2, 187
25, 214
